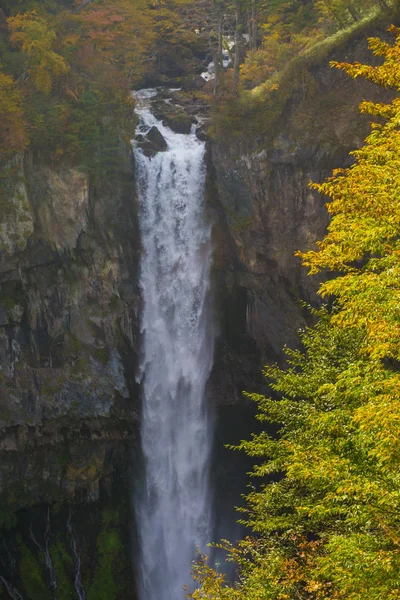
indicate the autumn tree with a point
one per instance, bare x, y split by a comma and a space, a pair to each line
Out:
36, 40
344, 12
119, 33
326, 519
12, 123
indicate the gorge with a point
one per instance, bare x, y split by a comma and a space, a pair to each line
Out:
169, 274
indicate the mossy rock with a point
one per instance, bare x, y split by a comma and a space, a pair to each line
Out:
32, 575
109, 550
173, 117
64, 568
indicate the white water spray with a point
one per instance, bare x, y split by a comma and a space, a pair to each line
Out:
12, 591
78, 585
45, 550
173, 507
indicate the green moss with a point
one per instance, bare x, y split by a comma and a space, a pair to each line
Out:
102, 355
72, 345
110, 517
32, 577
63, 458
109, 550
11, 294
8, 517
49, 389
8, 303
72, 277
63, 564
114, 302
81, 367
240, 223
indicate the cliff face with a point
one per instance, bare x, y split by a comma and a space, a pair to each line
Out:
68, 317
265, 212
69, 308
69, 251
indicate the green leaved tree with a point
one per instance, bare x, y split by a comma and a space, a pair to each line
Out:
326, 516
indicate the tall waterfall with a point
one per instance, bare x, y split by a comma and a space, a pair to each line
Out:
173, 506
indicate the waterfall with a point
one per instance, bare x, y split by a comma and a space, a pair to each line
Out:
78, 585
173, 506
12, 591
45, 550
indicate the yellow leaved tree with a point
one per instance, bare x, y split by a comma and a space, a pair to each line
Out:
36, 40
326, 517
12, 126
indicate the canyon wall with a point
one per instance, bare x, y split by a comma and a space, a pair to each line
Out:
265, 211
69, 320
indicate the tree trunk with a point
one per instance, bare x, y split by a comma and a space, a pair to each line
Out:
353, 13
334, 14
238, 45
216, 43
253, 30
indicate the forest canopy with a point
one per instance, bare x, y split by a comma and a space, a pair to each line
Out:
66, 67
66, 70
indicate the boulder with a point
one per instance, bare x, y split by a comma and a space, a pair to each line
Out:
174, 117
202, 133
179, 122
152, 142
191, 83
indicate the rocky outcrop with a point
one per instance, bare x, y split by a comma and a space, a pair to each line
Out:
69, 308
152, 142
173, 116
264, 212
68, 311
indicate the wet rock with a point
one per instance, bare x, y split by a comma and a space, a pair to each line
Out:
68, 305
202, 133
196, 82
174, 117
152, 142
179, 122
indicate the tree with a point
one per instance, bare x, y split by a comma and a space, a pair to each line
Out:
120, 33
36, 39
326, 518
12, 123
362, 243
345, 11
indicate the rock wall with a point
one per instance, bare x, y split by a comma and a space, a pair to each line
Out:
69, 306
264, 212
68, 316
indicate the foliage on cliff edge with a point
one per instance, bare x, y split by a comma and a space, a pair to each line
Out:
326, 516
67, 68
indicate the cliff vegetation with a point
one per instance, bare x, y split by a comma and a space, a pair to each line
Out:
275, 70
67, 68
325, 514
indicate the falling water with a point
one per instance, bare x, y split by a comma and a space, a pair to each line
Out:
78, 585
12, 591
173, 507
46, 552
